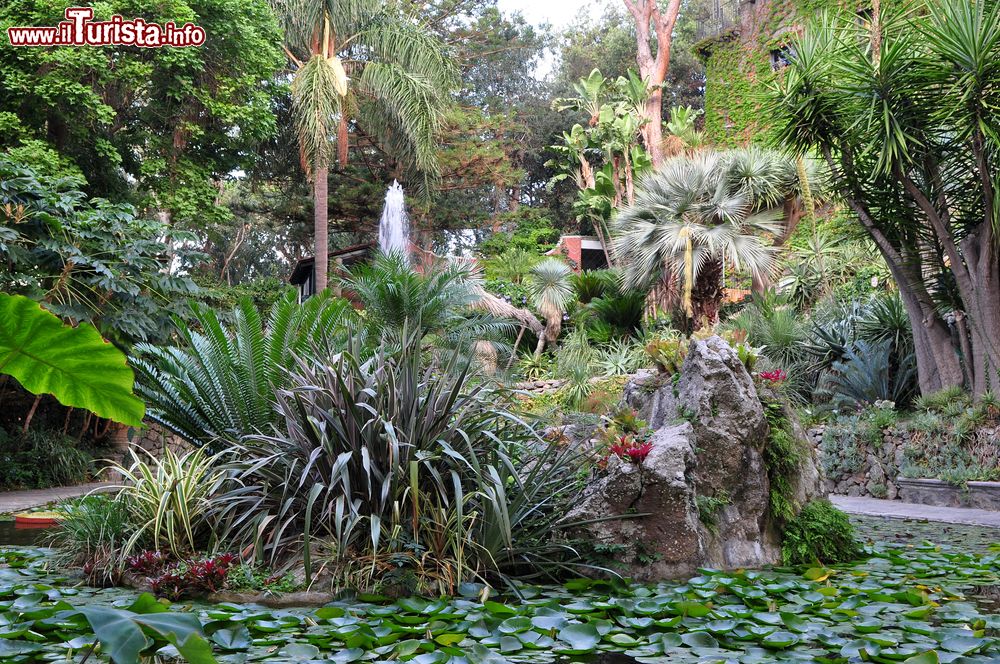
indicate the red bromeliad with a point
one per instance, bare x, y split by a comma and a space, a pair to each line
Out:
775, 376
630, 449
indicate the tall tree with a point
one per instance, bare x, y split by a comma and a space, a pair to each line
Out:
364, 65
653, 67
904, 112
157, 127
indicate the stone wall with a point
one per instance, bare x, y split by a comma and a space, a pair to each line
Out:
155, 440
152, 438
876, 467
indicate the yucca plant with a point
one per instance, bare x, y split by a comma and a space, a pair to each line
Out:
167, 499
218, 383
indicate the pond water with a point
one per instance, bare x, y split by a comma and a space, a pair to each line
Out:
13, 534
926, 589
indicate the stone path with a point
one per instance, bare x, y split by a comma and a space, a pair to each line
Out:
895, 509
16, 501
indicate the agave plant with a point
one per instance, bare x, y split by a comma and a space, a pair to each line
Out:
867, 374
218, 383
621, 357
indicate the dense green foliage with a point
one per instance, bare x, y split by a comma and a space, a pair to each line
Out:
39, 459
841, 355
155, 126
440, 304
819, 533
89, 259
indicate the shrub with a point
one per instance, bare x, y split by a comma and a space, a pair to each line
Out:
176, 579
819, 533
39, 459
167, 500
592, 284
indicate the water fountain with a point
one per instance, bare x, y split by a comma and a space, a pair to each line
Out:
394, 226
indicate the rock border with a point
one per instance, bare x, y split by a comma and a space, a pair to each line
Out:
938, 493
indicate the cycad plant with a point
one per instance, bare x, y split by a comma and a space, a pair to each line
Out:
440, 302
700, 213
218, 383
369, 64
552, 292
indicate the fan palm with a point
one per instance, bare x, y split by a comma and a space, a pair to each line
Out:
552, 291
700, 212
368, 63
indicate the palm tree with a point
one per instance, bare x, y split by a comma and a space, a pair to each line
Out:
366, 63
552, 291
442, 303
698, 213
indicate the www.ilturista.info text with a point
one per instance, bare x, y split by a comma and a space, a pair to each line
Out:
79, 30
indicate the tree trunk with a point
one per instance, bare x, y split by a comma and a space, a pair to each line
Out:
343, 141
706, 296
322, 256
938, 365
653, 68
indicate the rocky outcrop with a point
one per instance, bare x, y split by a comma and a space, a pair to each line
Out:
701, 496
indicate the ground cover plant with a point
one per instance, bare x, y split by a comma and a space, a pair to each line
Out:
914, 602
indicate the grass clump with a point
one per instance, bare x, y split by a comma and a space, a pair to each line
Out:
819, 533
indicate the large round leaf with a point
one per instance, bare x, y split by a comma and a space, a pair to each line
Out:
74, 364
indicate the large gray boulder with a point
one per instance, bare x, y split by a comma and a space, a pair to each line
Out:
703, 490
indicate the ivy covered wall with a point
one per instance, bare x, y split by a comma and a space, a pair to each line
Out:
738, 67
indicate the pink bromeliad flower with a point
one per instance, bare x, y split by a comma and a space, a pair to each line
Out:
775, 376
626, 448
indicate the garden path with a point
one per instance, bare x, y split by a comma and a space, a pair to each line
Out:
16, 501
895, 509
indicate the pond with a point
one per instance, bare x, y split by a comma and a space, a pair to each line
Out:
15, 534
915, 601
